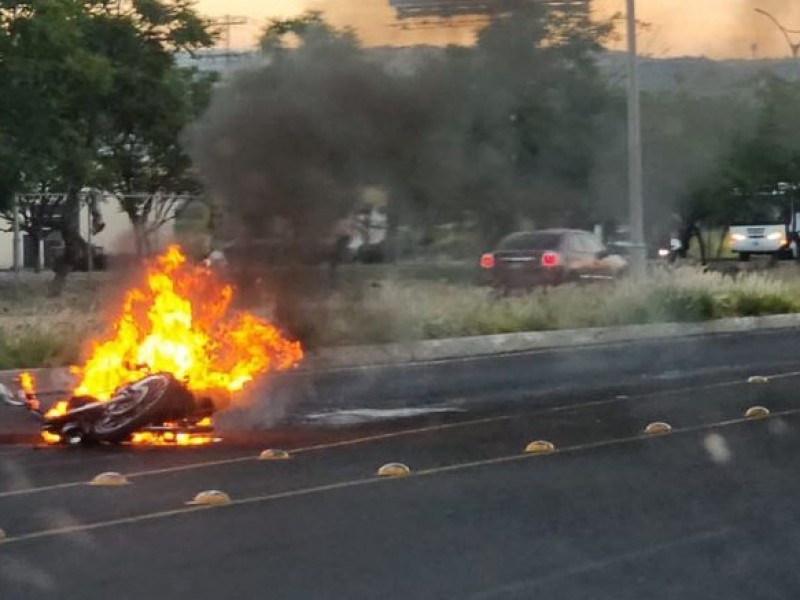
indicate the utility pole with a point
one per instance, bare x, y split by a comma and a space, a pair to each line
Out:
794, 46
15, 228
636, 211
227, 23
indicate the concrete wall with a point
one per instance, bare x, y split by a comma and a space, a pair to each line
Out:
117, 237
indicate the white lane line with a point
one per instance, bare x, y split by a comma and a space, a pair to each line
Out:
404, 433
630, 556
252, 457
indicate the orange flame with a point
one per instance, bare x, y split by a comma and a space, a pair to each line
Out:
59, 409
27, 381
180, 322
50, 438
169, 438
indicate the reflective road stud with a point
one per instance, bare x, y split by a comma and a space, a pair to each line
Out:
757, 412
757, 379
211, 498
658, 428
109, 479
394, 470
274, 454
540, 447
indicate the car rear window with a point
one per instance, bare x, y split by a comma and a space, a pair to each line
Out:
530, 241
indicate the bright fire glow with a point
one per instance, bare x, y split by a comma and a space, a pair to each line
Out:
169, 438
179, 321
27, 382
50, 438
58, 409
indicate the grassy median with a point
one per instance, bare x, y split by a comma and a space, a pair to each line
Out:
403, 310
47, 332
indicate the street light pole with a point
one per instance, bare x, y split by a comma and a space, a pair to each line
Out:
15, 228
636, 211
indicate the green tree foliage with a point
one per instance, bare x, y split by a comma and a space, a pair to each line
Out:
90, 95
738, 145
771, 152
523, 117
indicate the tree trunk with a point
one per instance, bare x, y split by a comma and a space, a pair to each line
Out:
721, 244
36, 236
139, 235
75, 247
702, 243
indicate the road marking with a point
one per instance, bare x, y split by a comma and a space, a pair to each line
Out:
571, 349
255, 457
524, 585
46, 533
402, 433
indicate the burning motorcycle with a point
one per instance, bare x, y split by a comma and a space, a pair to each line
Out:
175, 344
156, 409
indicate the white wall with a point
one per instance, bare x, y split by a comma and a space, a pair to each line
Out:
116, 238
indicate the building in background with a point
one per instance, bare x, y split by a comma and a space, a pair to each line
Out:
115, 237
420, 9
116, 240
220, 61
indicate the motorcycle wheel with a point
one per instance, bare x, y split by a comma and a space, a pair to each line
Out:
72, 434
140, 404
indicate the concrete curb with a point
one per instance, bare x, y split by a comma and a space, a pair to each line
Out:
345, 357
454, 348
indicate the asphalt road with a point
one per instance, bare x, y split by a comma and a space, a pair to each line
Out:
707, 511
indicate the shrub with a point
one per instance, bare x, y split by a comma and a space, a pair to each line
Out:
752, 305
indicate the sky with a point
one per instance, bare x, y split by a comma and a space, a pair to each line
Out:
712, 28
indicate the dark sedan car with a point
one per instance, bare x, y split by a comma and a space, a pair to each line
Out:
549, 257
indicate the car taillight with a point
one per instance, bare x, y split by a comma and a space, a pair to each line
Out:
487, 261
550, 259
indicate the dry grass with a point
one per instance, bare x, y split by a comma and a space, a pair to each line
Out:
397, 311
38, 331
41, 331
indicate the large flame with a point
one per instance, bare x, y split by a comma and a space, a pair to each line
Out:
180, 322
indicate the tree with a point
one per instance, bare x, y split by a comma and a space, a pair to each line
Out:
504, 130
37, 215
686, 141
526, 130
745, 144
140, 156
295, 140
77, 77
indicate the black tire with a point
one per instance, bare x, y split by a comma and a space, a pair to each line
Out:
73, 434
152, 400
744, 256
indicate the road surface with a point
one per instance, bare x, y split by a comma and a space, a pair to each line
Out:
708, 511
